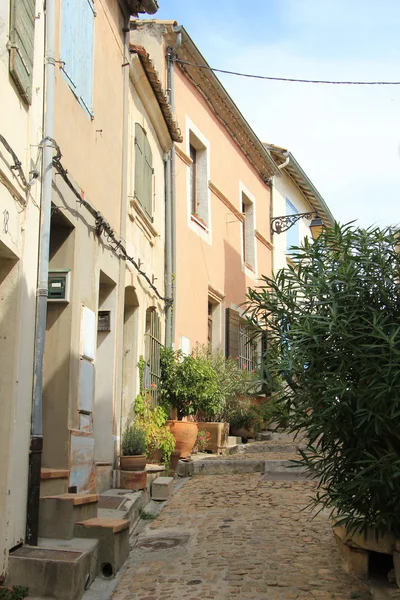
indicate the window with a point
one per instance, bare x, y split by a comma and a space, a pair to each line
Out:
241, 343
198, 179
292, 234
153, 346
22, 33
143, 171
248, 243
77, 32
210, 324
192, 176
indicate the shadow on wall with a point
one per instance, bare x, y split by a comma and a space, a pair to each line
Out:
16, 358
235, 279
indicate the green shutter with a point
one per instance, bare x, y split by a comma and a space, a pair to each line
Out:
143, 170
22, 34
232, 333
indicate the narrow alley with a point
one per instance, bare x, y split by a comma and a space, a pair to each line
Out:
238, 536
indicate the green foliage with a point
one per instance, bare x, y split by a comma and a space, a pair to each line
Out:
133, 441
146, 515
152, 421
17, 592
252, 417
333, 320
204, 384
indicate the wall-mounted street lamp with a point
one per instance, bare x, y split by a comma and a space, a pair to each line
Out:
281, 224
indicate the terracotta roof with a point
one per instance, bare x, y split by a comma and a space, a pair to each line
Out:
305, 185
159, 93
212, 90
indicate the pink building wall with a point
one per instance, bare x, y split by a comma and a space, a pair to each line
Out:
215, 259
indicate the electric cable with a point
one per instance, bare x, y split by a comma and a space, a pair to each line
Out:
286, 79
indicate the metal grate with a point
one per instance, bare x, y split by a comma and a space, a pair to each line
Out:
248, 349
153, 345
48, 554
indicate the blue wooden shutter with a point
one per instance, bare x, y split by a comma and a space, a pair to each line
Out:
77, 37
68, 28
22, 35
84, 58
292, 235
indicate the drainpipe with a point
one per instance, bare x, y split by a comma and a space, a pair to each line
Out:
168, 250
123, 220
285, 163
36, 446
171, 90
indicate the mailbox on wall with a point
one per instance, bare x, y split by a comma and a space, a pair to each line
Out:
59, 285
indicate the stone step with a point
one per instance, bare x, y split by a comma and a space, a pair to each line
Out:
59, 513
113, 538
162, 488
55, 568
282, 466
227, 466
53, 481
233, 440
122, 504
260, 447
264, 436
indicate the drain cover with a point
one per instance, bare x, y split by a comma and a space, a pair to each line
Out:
47, 554
162, 543
112, 502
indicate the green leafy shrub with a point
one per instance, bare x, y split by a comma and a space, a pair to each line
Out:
333, 321
17, 592
152, 420
206, 385
133, 441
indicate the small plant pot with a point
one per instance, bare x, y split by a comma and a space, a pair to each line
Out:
175, 456
155, 457
133, 463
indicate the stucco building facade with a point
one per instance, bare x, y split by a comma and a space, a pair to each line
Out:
220, 197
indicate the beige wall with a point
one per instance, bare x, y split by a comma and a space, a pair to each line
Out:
214, 258
284, 188
19, 223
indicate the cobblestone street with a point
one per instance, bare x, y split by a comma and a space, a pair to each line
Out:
234, 537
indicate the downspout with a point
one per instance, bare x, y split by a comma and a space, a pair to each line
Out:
171, 90
168, 251
123, 218
285, 163
36, 446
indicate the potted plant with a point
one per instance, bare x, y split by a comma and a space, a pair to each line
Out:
159, 442
133, 457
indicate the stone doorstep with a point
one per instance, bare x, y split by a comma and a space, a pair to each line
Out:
54, 473
115, 525
134, 501
56, 568
74, 499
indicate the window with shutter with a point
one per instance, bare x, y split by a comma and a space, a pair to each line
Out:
232, 333
77, 36
143, 171
21, 45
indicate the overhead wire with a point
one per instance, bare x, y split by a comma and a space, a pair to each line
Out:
285, 79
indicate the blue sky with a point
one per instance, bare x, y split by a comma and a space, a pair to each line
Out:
346, 138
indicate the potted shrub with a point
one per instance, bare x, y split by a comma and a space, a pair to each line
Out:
133, 457
333, 318
159, 442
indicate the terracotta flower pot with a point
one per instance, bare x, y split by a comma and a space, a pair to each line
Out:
133, 463
185, 434
155, 457
175, 456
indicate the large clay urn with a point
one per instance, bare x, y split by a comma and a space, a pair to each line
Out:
185, 434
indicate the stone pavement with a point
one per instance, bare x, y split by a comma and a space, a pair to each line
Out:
238, 537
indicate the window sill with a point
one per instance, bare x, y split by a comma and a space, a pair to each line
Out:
145, 220
249, 267
199, 222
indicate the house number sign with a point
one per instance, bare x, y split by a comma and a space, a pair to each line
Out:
6, 218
